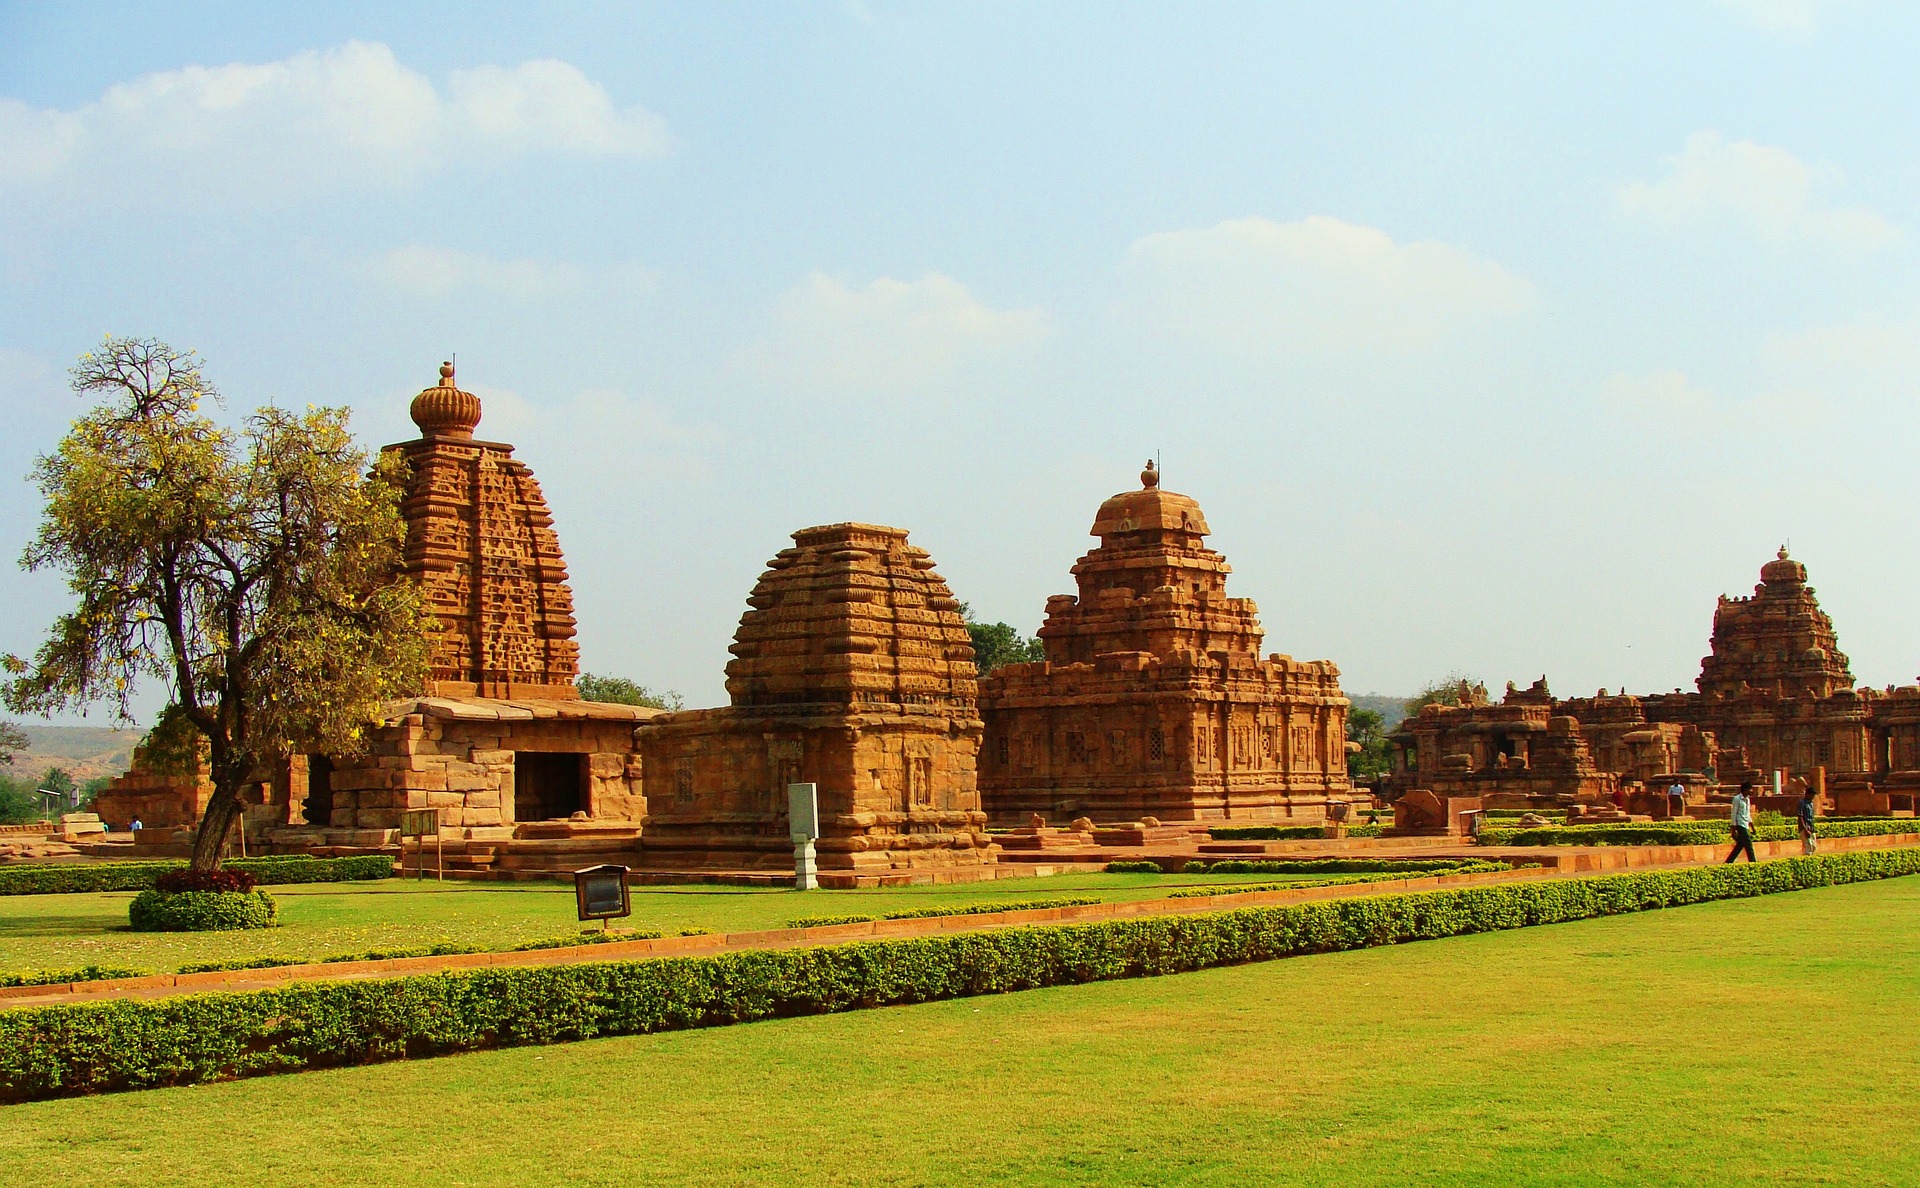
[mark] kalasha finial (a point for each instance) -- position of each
(1150, 477)
(1783, 552)
(444, 410)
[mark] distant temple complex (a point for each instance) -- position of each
(1774, 694)
(1154, 699)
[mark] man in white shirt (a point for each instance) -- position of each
(1743, 823)
(1676, 799)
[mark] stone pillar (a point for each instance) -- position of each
(803, 827)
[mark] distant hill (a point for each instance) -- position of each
(1390, 709)
(87, 752)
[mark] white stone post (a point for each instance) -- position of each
(803, 827)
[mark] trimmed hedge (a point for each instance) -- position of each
(58, 977)
(978, 909)
(202, 911)
(141, 876)
(1133, 868)
(131, 1043)
(1340, 865)
(1285, 832)
(1686, 833)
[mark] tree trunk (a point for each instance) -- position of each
(222, 810)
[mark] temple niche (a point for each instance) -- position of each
(1154, 699)
(852, 670)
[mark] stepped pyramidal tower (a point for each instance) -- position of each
(1154, 699)
(852, 670)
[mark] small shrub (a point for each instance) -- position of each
(202, 911)
(1194, 867)
(175, 881)
(1133, 868)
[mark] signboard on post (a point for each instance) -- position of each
(803, 827)
(601, 893)
(421, 824)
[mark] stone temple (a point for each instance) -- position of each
(1775, 693)
(851, 670)
(1154, 699)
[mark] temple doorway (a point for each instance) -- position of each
(318, 808)
(548, 786)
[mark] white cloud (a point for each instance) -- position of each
(1783, 16)
(419, 270)
(1665, 408)
(328, 118)
(890, 334)
(1761, 187)
(1872, 346)
(598, 439)
(1318, 285)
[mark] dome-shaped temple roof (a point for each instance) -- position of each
(1783, 569)
(444, 410)
(1149, 509)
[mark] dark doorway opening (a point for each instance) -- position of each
(547, 786)
(319, 805)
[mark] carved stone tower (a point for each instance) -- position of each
(480, 542)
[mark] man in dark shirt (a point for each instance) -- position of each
(1808, 842)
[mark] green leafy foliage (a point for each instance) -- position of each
(1368, 730)
(252, 571)
(1130, 867)
(62, 879)
(995, 644)
(60, 977)
(972, 909)
(202, 911)
(130, 1043)
(621, 691)
(1341, 865)
(1683, 833)
(13, 740)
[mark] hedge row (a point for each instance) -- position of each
(1285, 832)
(58, 977)
(1016, 905)
(140, 876)
(586, 936)
(1474, 866)
(131, 1043)
(1337, 865)
(1685, 833)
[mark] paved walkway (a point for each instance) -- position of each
(1601, 861)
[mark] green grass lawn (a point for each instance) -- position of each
(1763, 1040)
(324, 919)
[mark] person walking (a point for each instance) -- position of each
(1808, 842)
(1743, 823)
(1676, 799)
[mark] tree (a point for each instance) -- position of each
(251, 570)
(1452, 689)
(995, 644)
(622, 691)
(1369, 729)
(59, 779)
(12, 741)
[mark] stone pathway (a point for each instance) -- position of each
(1600, 861)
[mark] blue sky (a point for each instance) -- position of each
(1496, 338)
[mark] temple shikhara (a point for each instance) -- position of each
(852, 669)
(1154, 700)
